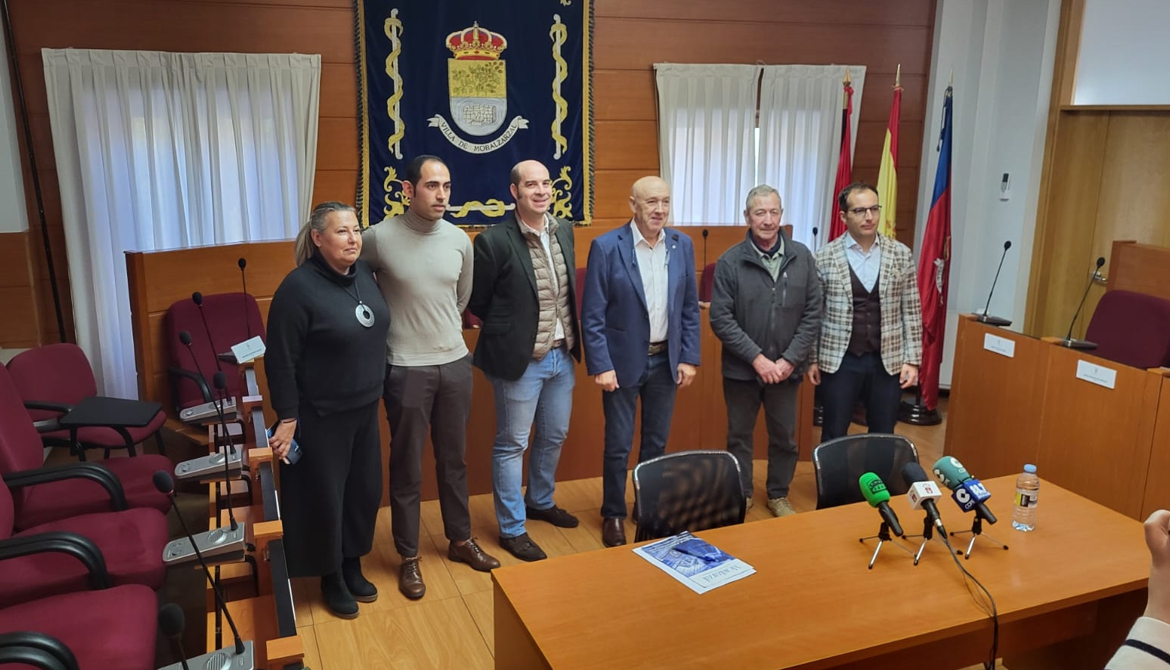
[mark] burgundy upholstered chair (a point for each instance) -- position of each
(22, 457)
(1132, 329)
(231, 318)
(707, 283)
(53, 379)
(128, 545)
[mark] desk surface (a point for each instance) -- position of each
(813, 603)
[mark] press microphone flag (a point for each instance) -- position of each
(967, 492)
(878, 496)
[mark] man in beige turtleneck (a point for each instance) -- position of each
(423, 265)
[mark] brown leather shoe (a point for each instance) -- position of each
(410, 580)
(613, 532)
(470, 553)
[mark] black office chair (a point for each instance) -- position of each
(840, 463)
(35, 649)
(687, 490)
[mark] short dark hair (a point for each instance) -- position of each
(514, 175)
(414, 168)
(843, 197)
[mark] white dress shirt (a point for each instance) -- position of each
(552, 265)
(652, 265)
(865, 264)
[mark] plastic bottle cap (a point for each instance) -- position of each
(1030, 469)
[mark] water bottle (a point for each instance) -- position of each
(1027, 495)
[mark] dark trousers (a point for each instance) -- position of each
(656, 389)
(433, 399)
(743, 400)
(329, 499)
(861, 377)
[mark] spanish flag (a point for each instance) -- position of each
(887, 185)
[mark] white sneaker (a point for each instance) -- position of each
(780, 507)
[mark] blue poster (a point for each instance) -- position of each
(483, 85)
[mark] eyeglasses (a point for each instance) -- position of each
(860, 211)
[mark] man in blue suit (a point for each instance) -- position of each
(640, 325)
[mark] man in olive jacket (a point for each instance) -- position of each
(766, 309)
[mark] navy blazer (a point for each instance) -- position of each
(615, 322)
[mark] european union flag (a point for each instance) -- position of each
(483, 85)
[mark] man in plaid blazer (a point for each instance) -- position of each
(871, 334)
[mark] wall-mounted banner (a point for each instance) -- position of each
(482, 84)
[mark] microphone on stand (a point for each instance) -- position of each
(243, 263)
(814, 238)
(922, 494)
(967, 492)
(197, 298)
(705, 234)
(221, 386)
(172, 622)
(1068, 340)
(241, 655)
(874, 490)
(985, 317)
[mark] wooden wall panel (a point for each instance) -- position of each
(1067, 253)
(1134, 201)
(19, 327)
(630, 35)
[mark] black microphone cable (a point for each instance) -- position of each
(988, 607)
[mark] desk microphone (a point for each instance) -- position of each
(877, 495)
(221, 385)
(967, 492)
(985, 317)
(1068, 340)
(243, 263)
(705, 234)
(814, 238)
(923, 493)
(198, 468)
(172, 622)
(197, 298)
(241, 656)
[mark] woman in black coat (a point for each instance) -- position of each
(325, 362)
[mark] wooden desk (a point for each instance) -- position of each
(813, 603)
(993, 420)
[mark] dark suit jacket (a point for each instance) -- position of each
(615, 323)
(503, 296)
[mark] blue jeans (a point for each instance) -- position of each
(544, 395)
(657, 389)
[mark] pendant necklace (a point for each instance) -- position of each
(364, 314)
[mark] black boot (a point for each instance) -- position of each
(337, 597)
(359, 587)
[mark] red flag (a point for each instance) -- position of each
(934, 266)
(845, 166)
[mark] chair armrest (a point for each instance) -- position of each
(198, 379)
(47, 425)
(36, 649)
(91, 471)
(48, 406)
(78, 546)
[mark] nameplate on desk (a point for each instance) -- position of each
(1000, 345)
(249, 350)
(1096, 374)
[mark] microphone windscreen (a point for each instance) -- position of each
(185, 338)
(874, 489)
(1007, 245)
(219, 380)
(706, 233)
(950, 472)
(243, 262)
(197, 298)
(171, 620)
(164, 482)
(1100, 262)
(912, 473)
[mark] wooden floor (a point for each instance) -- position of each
(451, 627)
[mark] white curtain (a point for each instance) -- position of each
(706, 128)
(163, 150)
(800, 139)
